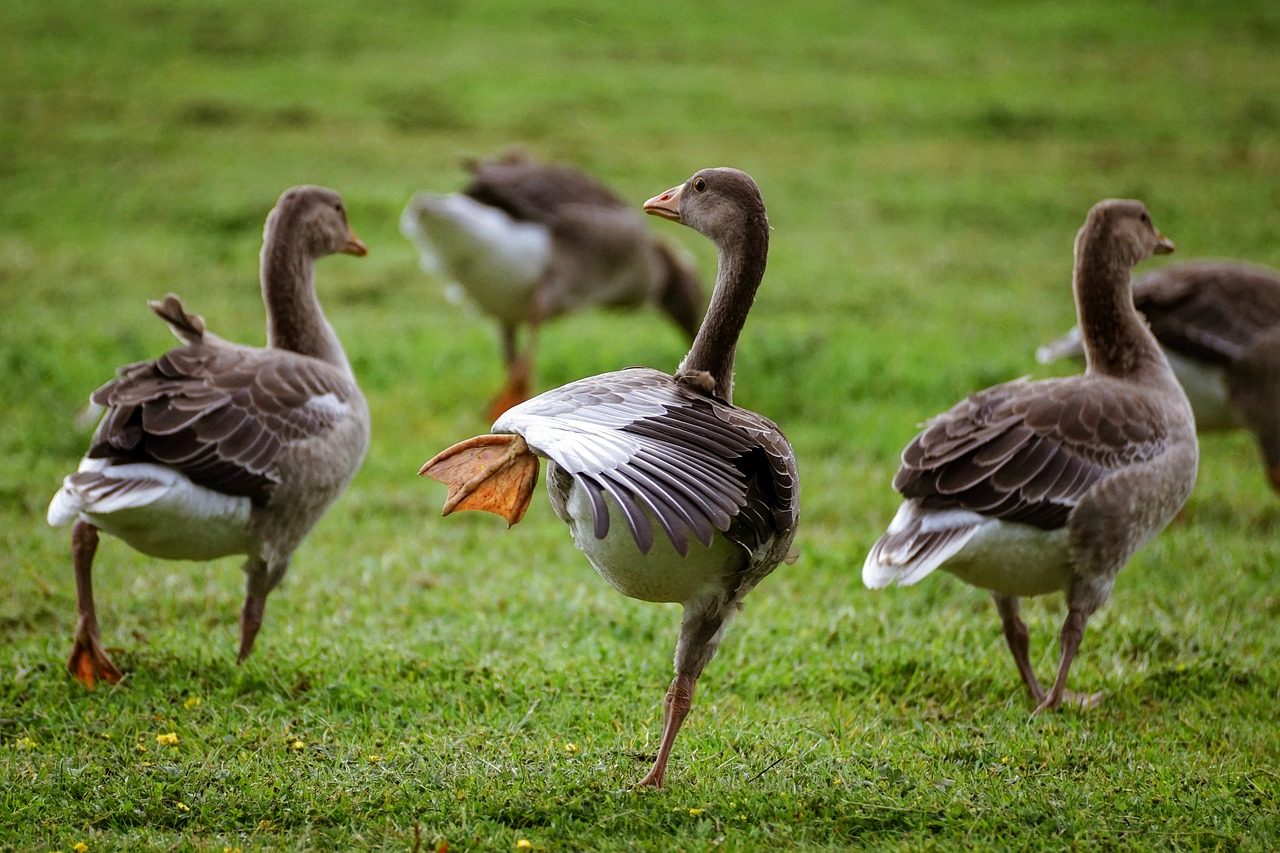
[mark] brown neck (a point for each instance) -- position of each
(1117, 341)
(739, 272)
(295, 321)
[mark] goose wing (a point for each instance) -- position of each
(221, 414)
(1211, 311)
(1028, 451)
(661, 450)
(535, 192)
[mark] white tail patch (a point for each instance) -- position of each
(155, 509)
(918, 541)
(1067, 346)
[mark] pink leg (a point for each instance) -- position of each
(1072, 634)
(89, 660)
(677, 703)
(1015, 634)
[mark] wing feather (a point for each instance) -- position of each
(1028, 451)
(219, 413)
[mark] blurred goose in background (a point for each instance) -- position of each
(1028, 488)
(1219, 325)
(673, 493)
(527, 242)
(216, 448)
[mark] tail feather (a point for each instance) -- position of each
(917, 542)
(188, 328)
(1067, 346)
(92, 491)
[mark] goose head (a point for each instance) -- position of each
(719, 203)
(315, 220)
(1126, 229)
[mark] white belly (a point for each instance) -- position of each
(660, 575)
(1014, 559)
(1206, 389)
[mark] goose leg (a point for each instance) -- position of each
(1072, 634)
(700, 632)
(88, 661)
(257, 585)
(676, 707)
(518, 367)
(1015, 634)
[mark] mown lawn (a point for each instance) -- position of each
(422, 681)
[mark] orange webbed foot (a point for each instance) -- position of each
(89, 662)
(493, 473)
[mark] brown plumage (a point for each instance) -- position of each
(673, 493)
(530, 241)
(215, 448)
(1031, 487)
(1219, 324)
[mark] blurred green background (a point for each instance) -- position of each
(925, 166)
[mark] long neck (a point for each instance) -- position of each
(740, 269)
(295, 321)
(1117, 341)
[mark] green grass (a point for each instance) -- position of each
(925, 164)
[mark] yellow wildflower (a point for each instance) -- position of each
(24, 742)
(167, 739)
(192, 702)
(524, 844)
(375, 758)
(183, 807)
(297, 744)
(696, 812)
(571, 747)
(80, 847)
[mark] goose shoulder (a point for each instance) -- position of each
(696, 464)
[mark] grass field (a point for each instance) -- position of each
(427, 681)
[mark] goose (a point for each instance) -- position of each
(673, 493)
(528, 242)
(215, 448)
(1031, 487)
(1219, 325)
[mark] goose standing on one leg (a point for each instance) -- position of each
(216, 448)
(639, 449)
(529, 241)
(1219, 325)
(1033, 487)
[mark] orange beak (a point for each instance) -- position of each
(355, 246)
(1164, 245)
(666, 205)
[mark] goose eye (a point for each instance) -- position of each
(1146, 220)
(699, 185)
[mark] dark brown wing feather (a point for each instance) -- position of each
(1211, 311)
(535, 192)
(1027, 451)
(218, 413)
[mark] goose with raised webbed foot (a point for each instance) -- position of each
(673, 493)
